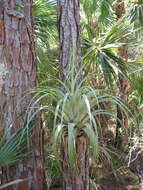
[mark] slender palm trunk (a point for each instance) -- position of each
(17, 76)
(70, 54)
(123, 86)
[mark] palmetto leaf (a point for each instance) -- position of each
(90, 6)
(101, 9)
(136, 13)
(102, 53)
(12, 149)
(106, 12)
(45, 19)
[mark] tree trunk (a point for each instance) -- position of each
(69, 32)
(72, 179)
(69, 21)
(123, 87)
(17, 75)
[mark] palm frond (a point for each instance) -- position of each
(136, 13)
(102, 53)
(12, 149)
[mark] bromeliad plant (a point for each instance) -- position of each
(76, 109)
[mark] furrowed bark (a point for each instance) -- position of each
(72, 179)
(17, 76)
(70, 50)
(69, 34)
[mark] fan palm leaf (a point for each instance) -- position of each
(12, 149)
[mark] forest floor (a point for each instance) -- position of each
(126, 181)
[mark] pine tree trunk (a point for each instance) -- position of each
(123, 87)
(69, 31)
(70, 51)
(17, 76)
(72, 179)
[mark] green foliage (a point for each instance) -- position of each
(45, 20)
(101, 12)
(76, 110)
(71, 109)
(137, 84)
(102, 52)
(136, 13)
(12, 149)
